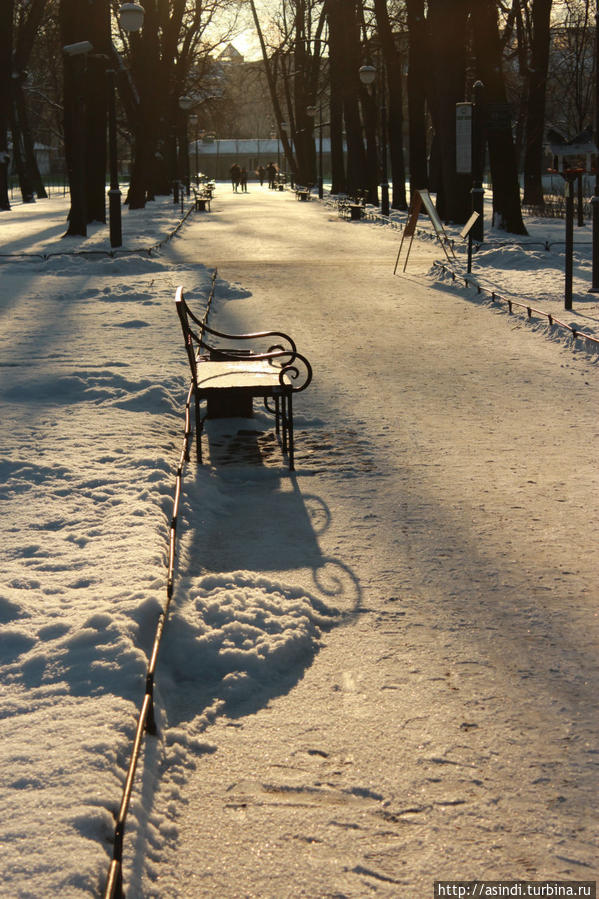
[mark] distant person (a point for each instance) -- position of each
(271, 171)
(261, 171)
(243, 180)
(235, 176)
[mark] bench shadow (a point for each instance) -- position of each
(255, 593)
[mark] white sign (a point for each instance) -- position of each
(463, 138)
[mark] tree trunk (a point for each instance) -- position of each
(304, 140)
(535, 119)
(417, 74)
(6, 37)
(31, 166)
(95, 139)
(448, 20)
(336, 74)
(19, 161)
(73, 28)
(507, 213)
(369, 102)
(152, 118)
(273, 93)
(29, 22)
(351, 61)
(392, 99)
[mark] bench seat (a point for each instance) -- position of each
(245, 375)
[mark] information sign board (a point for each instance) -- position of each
(463, 138)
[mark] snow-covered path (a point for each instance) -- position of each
(378, 671)
(446, 500)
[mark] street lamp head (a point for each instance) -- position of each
(367, 75)
(131, 16)
(186, 103)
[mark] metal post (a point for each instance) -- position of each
(320, 179)
(579, 202)
(478, 157)
(114, 194)
(185, 160)
(595, 199)
(384, 177)
(569, 188)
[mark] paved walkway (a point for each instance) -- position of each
(449, 453)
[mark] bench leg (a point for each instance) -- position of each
(290, 429)
(284, 422)
(198, 431)
(277, 416)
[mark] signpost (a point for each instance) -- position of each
(463, 138)
(423, 198)
(571, 160)
(466, 232)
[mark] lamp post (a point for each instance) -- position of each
(193, 119)
(312, 113)
(478, 160)
(185, 104)
(368, 76)
(131, 16)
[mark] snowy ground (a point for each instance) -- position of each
(379, 671)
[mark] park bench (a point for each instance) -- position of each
(302, 193)
(202, 198)
(226, 377)
(352, 206)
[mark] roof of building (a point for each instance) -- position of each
(244, 146)
(230, 54)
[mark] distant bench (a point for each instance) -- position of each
(302, 193)
(228, 377)
(202, 198)
(352, 206)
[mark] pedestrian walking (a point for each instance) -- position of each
(243, 180)
(235, 176)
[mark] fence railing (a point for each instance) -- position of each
(146, 721)
(530, 310)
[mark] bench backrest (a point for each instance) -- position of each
(283, 354)
(182, 312)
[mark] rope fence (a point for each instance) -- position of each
(146, 721)
(531, 311)
(112, 254)
(495, 297)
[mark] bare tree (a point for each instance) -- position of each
(168, 60)
(417, 78)
(572, 66)
(507, 213)
(537, 90)
(393, 88)
(447, 28)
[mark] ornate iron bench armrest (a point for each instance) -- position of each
(284, 357)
